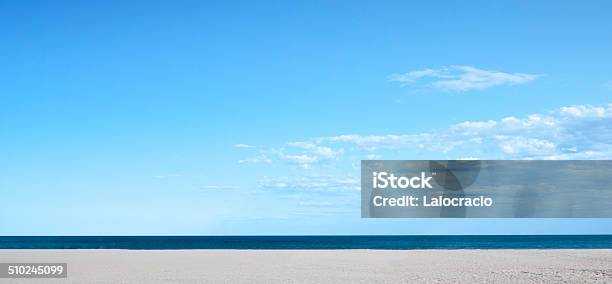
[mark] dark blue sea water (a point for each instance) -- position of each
(311, 242)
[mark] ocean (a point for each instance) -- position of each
(309, 242)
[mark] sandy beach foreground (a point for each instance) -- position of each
(317, 266)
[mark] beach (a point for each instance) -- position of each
(322, 266)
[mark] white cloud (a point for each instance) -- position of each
(374, 157)
(301, 159)
(571, 132)
(303, 145)
(314, 155)
(244, 146)
(312, 183)
(584, 111)
(579, 131)
(328, 153)
(303, 154)
(219, 187)
(468, 158)
(413, 76)
(462, 78)
(371, 142)
(256, 160)
(526, 146)
(475, 125)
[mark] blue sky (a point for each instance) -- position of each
(201, 117)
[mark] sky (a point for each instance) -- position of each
(252, 117)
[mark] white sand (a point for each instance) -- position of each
(328, 266)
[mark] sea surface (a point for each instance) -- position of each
(310, 242)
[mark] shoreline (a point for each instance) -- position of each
(327, 266)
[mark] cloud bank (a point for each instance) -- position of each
(572, 132)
